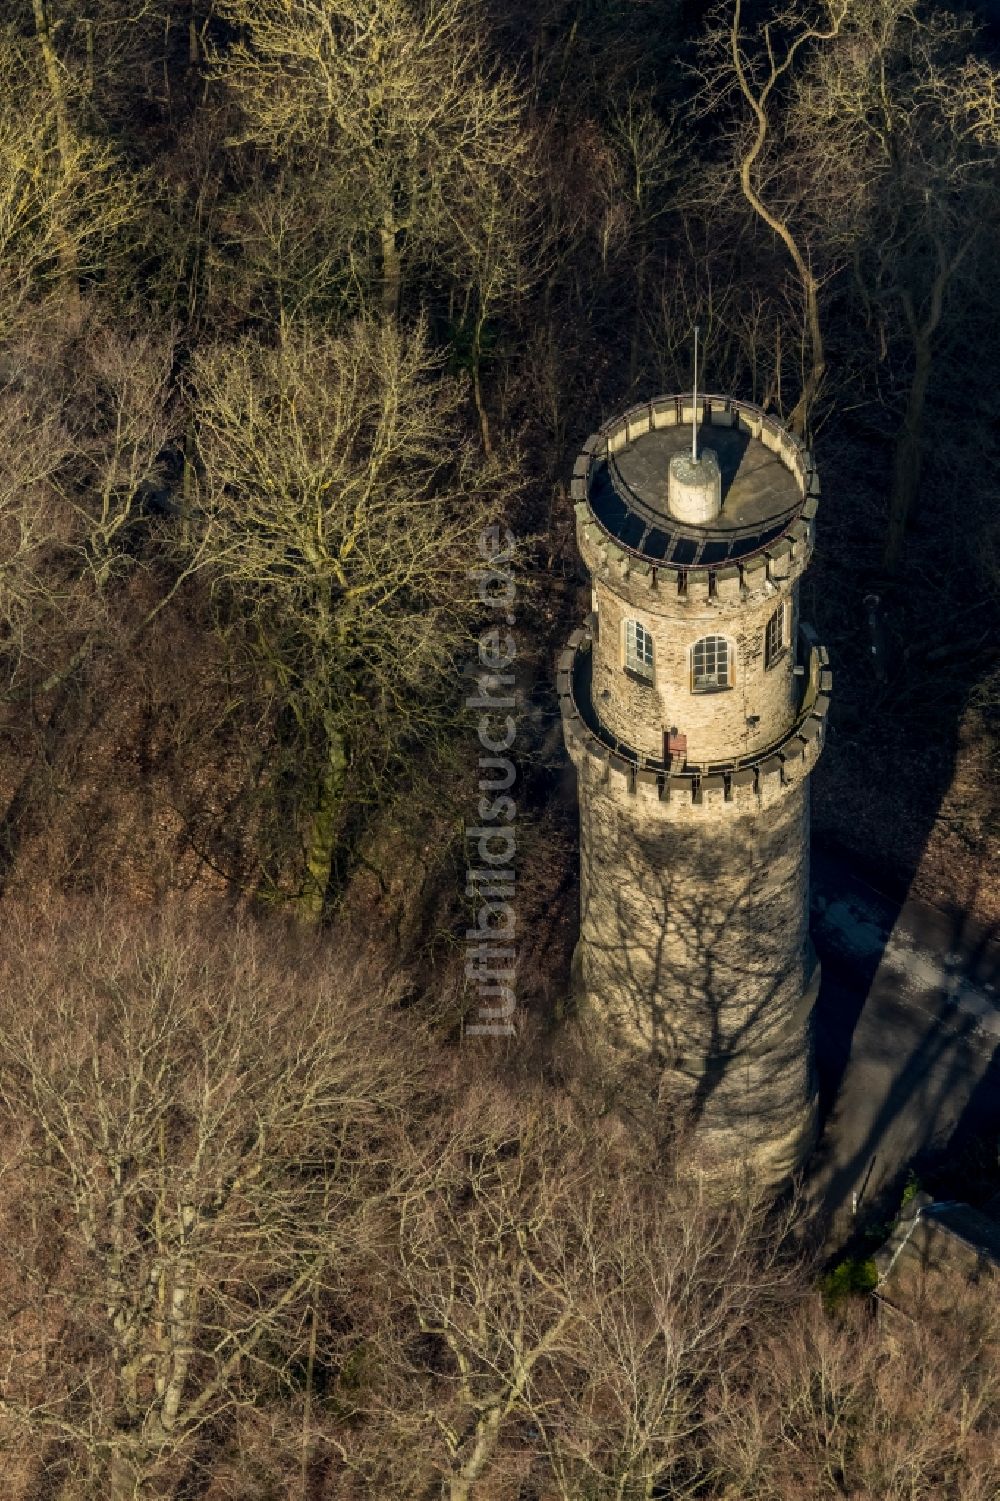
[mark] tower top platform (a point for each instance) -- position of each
(767, 481)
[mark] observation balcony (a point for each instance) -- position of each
(796, 750)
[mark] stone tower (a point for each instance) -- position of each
(694, 707)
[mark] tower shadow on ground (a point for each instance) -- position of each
(907, 1067)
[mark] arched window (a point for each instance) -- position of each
(774, 637)
(710, 664)
(638, 650)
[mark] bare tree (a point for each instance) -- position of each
(483, 1292)
(907, 171)
(197, 1133)
(37, 539)
(648, 147)
(100, 60)
(825, 1406)
(120, 406)
(564, 1311)
(396, 100)
(65, 198)
(88, 410)
(669, 1284)
(342, 509)
(868, 143)
(754, 67)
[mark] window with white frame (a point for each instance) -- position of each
(638, 649)
(774, 637)
(710, 664)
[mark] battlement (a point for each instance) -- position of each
(764, 533)
(745, 784)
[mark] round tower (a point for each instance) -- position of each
(694, 707)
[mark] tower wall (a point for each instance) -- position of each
(715, 723)
(694, 951)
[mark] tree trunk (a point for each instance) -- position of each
(67, 251)
(909, 439)
(639, 294)
(477, 391)
(189, 480)
(799, 419)
(907, 456)
(322, 838)
(308, 1398)
(392, 273)
(757, 97)
(487, 1429)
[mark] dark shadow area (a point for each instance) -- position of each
(973, 1151)
(729, 444)
(904, 809)
(851, 922)
(72, 714)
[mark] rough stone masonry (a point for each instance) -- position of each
(694, 708)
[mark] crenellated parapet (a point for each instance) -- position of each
(643, 554)
(746, 785)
